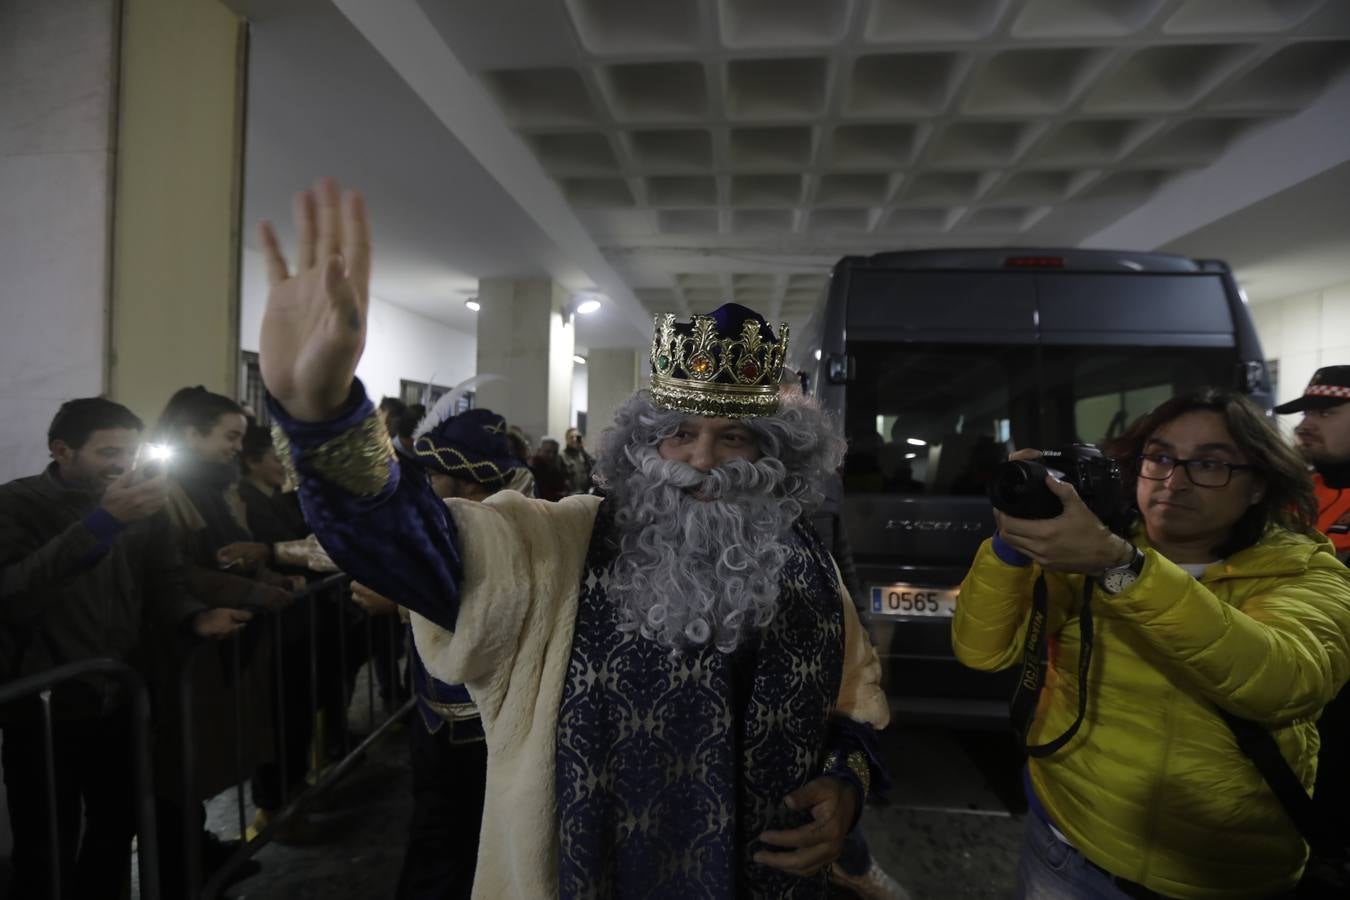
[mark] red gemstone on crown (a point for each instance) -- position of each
(749, 370)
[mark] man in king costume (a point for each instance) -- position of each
(678, 698)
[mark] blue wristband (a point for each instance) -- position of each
(104, 525)
(1008, 553)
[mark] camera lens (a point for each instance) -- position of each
(1018, 489)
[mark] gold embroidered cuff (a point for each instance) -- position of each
(282, 445)
(856, 762)
(356, 460)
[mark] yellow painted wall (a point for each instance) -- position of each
(176, 208)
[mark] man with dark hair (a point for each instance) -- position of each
(272, 513)
(405, 425)
(86, 570)
(1324, 438)
(1220, 619)
(273, 516)
(677, 696)
(550, 477)
(576, 462)
(390, 411)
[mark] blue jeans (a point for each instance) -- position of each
(1050, 869)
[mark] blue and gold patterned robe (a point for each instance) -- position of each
(616, 768)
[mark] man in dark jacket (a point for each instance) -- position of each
(550, 478)
(577, 463)
(273, 515)
(86, 570)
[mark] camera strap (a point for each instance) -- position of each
(1035, 661)
(1258, 745)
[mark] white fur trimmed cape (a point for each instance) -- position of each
(523, 561)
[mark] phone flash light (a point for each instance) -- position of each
(158, 452)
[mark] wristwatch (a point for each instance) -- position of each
(1118, 578)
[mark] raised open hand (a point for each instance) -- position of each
(314, 328)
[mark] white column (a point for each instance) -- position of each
(56, 142)
(612, 378)
(521, 335)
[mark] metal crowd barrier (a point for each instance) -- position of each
(330, 595)
(41, 685)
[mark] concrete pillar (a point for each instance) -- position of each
(521, 335)
(176, 217)
(58, 64)
(119, 227)
(612, 377)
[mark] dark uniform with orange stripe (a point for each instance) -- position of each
(1325, 440)
(1333, 513)
(1322, 437)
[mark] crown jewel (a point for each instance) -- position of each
(725, 364)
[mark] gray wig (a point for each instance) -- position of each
(689, 571)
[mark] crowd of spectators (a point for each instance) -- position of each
(152, 547)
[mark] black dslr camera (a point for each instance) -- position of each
(1018, 487)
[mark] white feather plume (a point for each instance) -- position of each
(445, 407)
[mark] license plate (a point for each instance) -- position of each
(904, 601)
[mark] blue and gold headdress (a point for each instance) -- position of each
(471, 446)
(727, 363)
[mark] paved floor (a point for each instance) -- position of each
(949, 828)
(946, 831)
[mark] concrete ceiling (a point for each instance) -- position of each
(679, 153)
(1297, 240)
(322, 101)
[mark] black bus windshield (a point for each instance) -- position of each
(936, 419)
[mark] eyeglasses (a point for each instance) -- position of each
(1202, 472)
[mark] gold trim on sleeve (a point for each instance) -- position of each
(282, 445)
(356, 460)
(857, 763)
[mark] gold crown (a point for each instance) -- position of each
(697, 369)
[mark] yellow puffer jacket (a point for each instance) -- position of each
(1153, 787)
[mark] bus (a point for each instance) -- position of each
(939, 363)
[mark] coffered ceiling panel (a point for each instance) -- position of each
(754, 141)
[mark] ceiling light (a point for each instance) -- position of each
(911, 456)
(916, 442)
(581, 304)
(578, 359)
(473, 304)
(817, 356)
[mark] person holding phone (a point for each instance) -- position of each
(86, 570)
(227, 567)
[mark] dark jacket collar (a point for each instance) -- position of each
(52, 484)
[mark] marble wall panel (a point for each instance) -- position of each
(56, 95)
